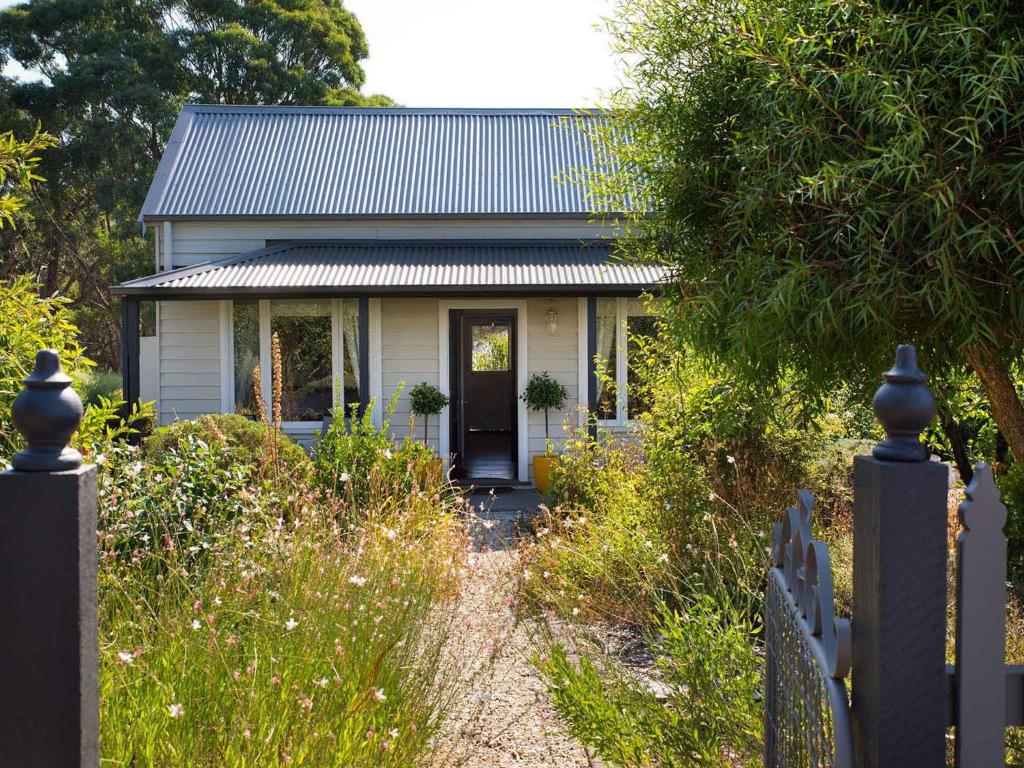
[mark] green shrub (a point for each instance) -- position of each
(710, 672)
(174, 508)
(252, 442)
(29, 323)
(365, 468)
(1011, 485)
(94, 383)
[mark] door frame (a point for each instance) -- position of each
(457, 327)
(444, 358)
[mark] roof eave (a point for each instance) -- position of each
(398, 291)
(155, 218)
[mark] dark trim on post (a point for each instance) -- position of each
(364, 354)
(591, 365)
(130, 353)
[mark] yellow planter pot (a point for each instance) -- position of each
(542, 468)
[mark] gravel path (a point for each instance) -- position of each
(504, 717)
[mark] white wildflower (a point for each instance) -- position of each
(125, 657)
(730, 459)
(357, 580)
(291, 624)
(378, 694)
(196, 624)
(175, 710)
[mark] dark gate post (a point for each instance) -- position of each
(899, 583)
(49, 699)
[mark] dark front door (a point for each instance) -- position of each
(483, 368)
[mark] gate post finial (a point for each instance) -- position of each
(47, 413)
(904, 406)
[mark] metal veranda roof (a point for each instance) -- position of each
(331, 162)
(405, 268)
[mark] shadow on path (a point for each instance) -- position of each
(502, 516)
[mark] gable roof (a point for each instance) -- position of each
(334, 162)
(408, 268)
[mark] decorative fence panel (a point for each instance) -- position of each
(808, 652)
(904, 695)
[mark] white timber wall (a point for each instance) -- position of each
(409, 355)
(190, 364)
(194, 242)
(557, 354)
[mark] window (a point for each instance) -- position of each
(246, 349)
(319, 347)
(304, 332)
(490, 348)
(607, 358)
(640, 325)
(350, 354)
(622, 324)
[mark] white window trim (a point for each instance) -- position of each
(376, 364)
(227, 354)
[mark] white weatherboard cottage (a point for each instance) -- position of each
(382, 247)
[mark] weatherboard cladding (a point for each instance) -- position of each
(408, 265)
(326, 162)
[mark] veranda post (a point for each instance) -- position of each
(49, 697)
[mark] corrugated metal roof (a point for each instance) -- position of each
(410, 267)
(333, 162)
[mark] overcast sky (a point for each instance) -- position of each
(485, 53)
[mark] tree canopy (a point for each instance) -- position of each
(113, 75)
(827, 179)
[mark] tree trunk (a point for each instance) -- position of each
(1003, 398)
(957, 444)
(426, 420)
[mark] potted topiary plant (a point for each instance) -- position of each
(427, 401)
(544, 392)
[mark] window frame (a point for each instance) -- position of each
(265, 335)
(621, 366)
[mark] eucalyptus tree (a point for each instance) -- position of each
(825, 179)
(107, 78)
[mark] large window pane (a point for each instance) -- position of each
(247, 356)
(607, 356)
(638, 328)
(303, 329)
(351, 352)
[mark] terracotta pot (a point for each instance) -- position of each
(542, 468)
